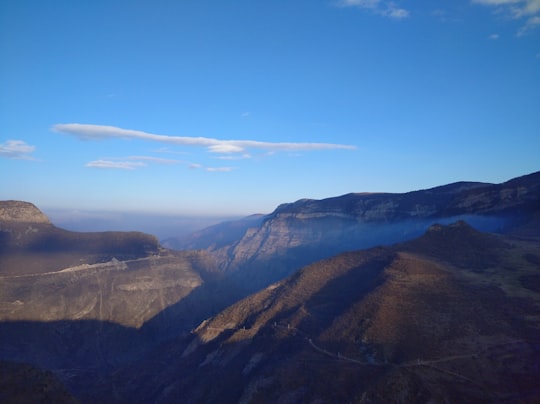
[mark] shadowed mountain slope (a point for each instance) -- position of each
(298, 233)
(21, 383)
(30, 244)
(411, 323)
(74, 302)
(49, 273)
(451, 315)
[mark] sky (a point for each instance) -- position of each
(216, 108)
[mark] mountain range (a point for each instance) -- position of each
(430, 295)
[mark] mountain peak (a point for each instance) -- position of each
(460, 244)
(23, 212)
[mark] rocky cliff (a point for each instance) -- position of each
(301, 232)
(21, 212)
(50, 274)
(76, 303)
(448, 317)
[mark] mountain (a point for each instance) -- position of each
(215, 237)
(298, 233)
(274, 308)
(51, 274)
(71, 300)
(451, 316)
(21, 383)
(30, 243)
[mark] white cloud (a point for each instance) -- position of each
(157, 160)
(100, 132)
(124, 165)
(494, 36)
(219, 169)
(16, 149)
(517, 9)
(385, 8)
(225, 148)
(244, 156)
(531, 24)
(132, 162)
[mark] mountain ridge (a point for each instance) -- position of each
(392, 323)
(430, 318)
(297, 233)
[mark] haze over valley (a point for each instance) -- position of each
(269, 306)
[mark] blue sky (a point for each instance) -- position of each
(218, 108)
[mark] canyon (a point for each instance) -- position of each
(426, 295)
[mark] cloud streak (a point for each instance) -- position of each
(101, 132)
(122, 165)
(384, 8)
(517, 9)
(16, 150)
(133, 162)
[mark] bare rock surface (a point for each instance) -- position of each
(22, 212)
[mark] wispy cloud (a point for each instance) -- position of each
(123, 165)
(100, 132)
(157, 160)
(219, 169)
(16, 149)
(385, 8)
(132, 162)
(494, 36)
(517, 9)
(530, 25)
(244, 156)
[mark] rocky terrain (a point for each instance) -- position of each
(73, 300)
(340, 312)
(21, 212)
(449, 317)
(298, 233)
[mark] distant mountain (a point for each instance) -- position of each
(298, 233)
(449, 313)
(216, 236)
(449, 317)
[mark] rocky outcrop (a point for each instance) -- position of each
(424, 321)
(31, 244)
(298, 233)
(21, 212)
(123, 292)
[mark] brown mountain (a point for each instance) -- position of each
(299, 233)
(109, 313)
(75, 302)
(449, 317)
(48, 273)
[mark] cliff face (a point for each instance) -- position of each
(298, 233)
(21, 212)
(50, 274)
(448, 317)
(124, 292)
(72, 301)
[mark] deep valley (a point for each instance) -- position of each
(426, 296)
